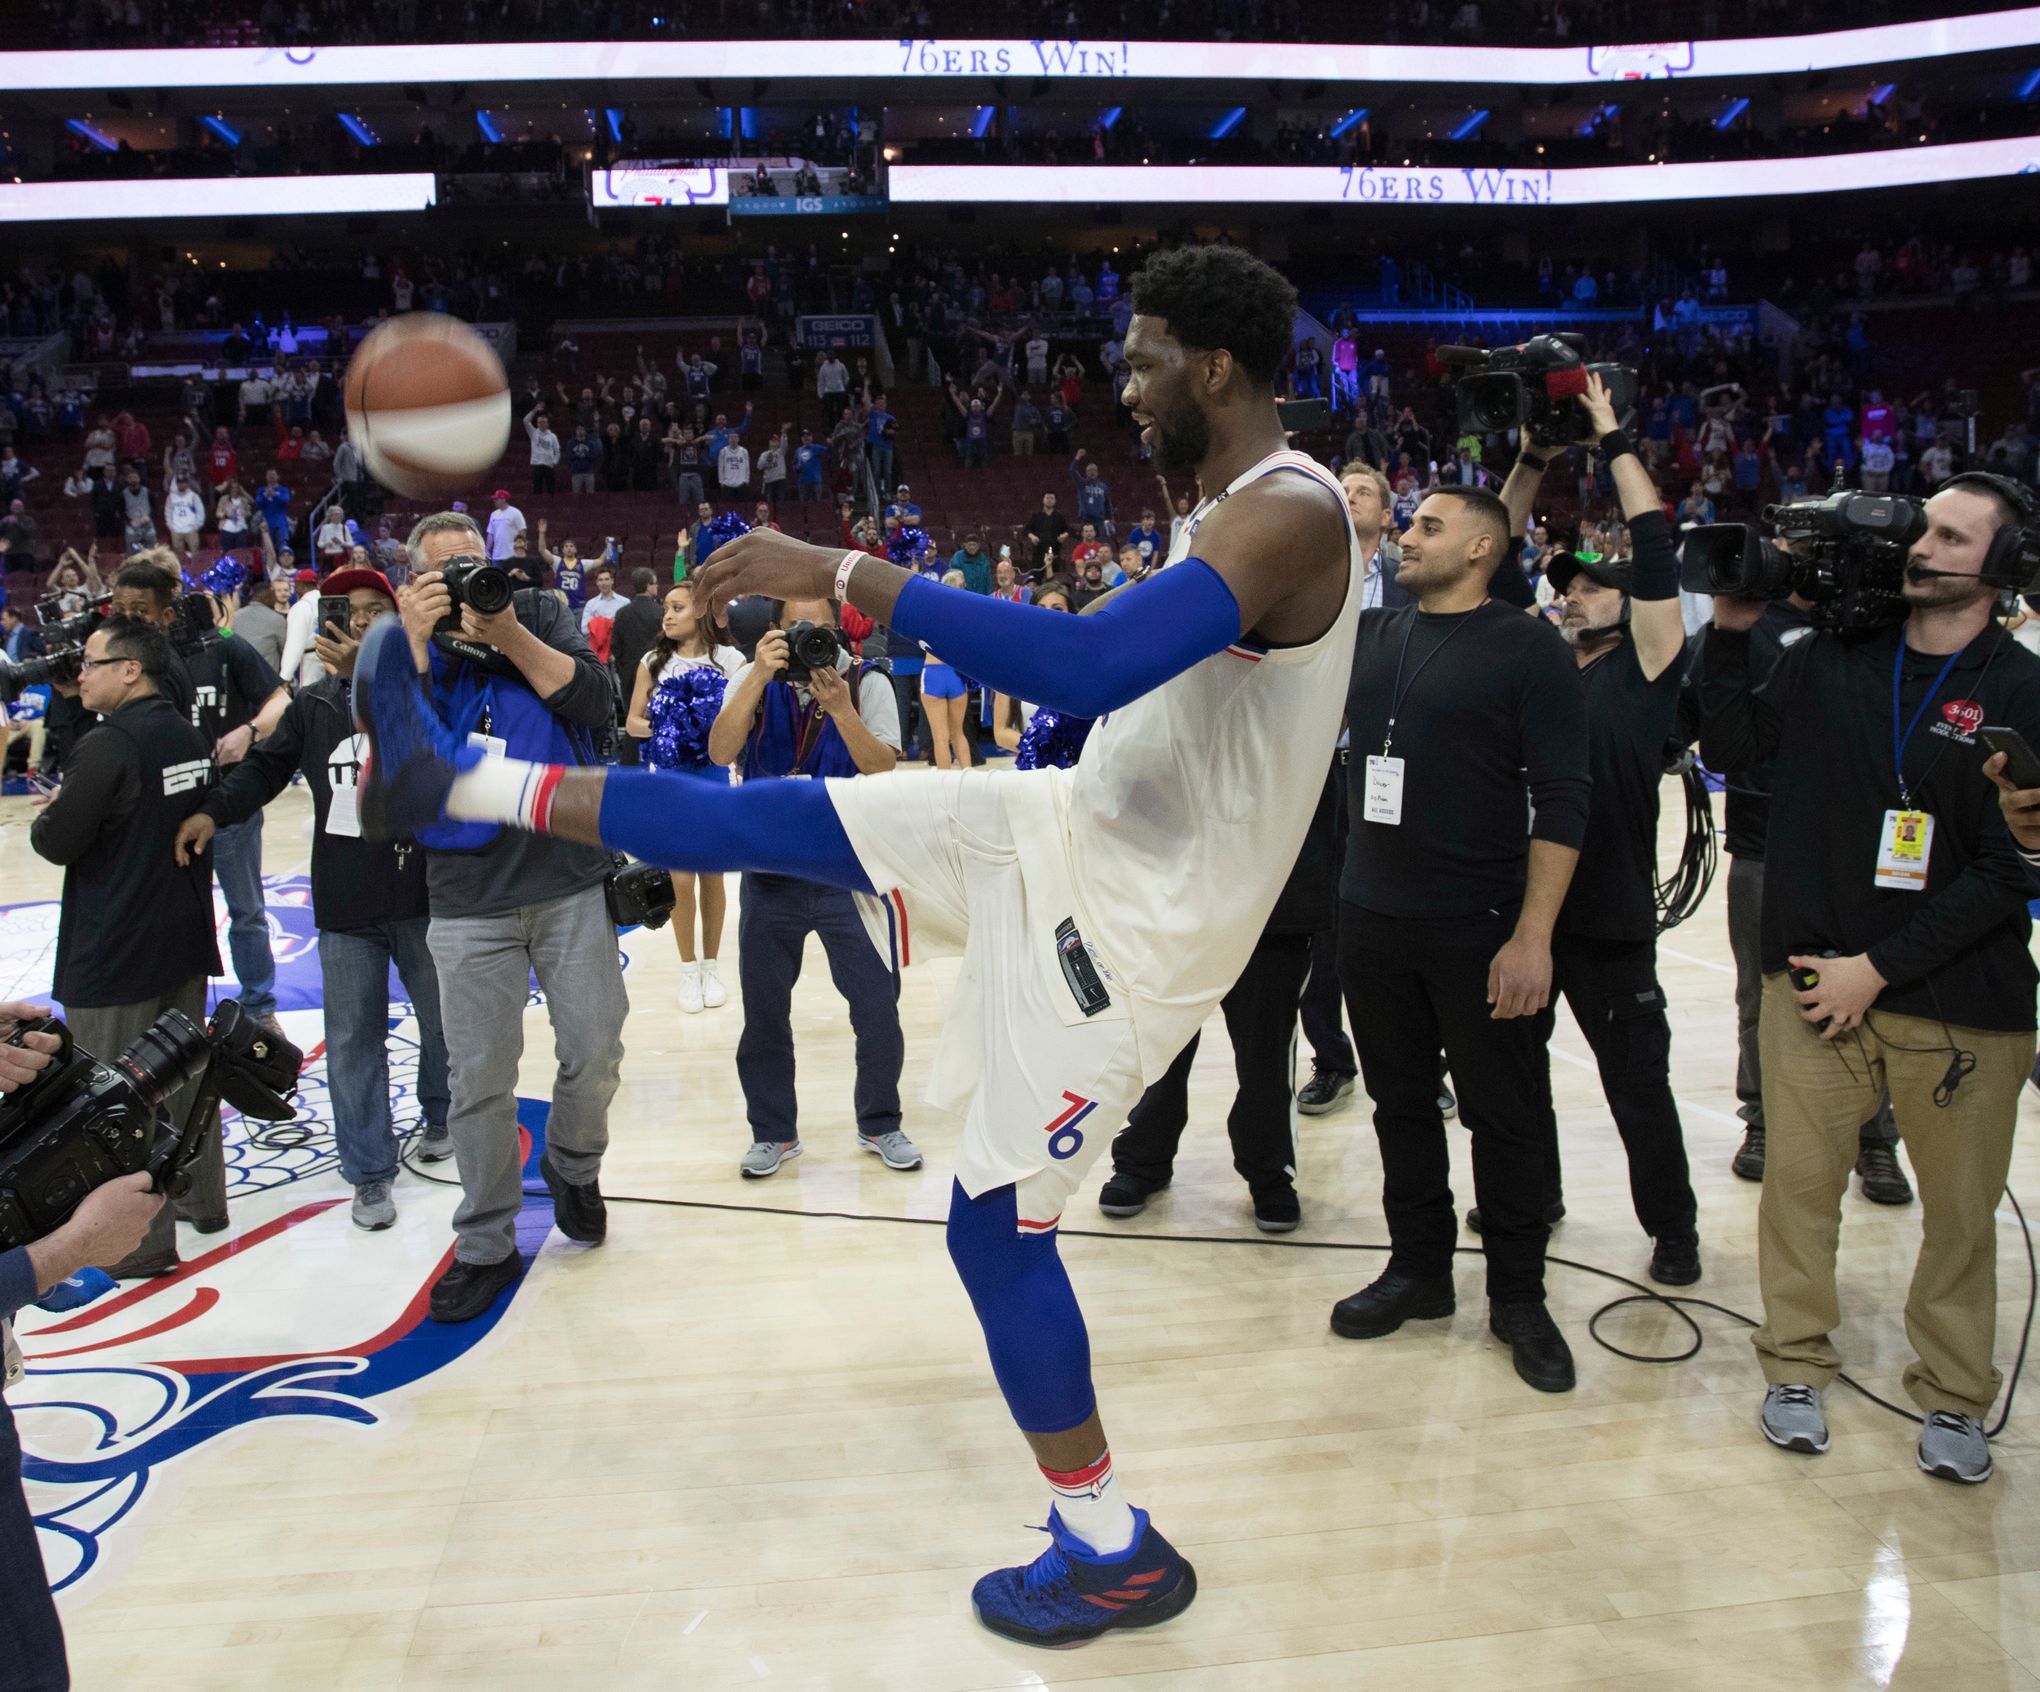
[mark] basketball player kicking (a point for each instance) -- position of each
(1218, 684)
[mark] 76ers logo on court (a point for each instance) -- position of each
(1065, 1138)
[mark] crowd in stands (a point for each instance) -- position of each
(1548, 23)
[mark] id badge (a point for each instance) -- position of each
(1383, 802)
(343, 770)
(343, 816)
(490, 743)
(1904, 849)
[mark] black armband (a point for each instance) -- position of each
(1614, 444)
(1654, 569)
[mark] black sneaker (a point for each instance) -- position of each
(1388, 1303)
(466, 1290)
(1322, 1092)
(1749, 1157)
(1883, 1180)
(577, 1206)
(1276, 1210)
(1675, 1260)
(1554, 1214)
(1541, 1355)
(1127, 1195)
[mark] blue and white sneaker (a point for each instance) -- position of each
(1069, 1594)
(413, 757)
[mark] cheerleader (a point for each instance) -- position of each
(1039, 738)
(946, 700)
(678, 691)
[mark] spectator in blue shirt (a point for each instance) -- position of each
(1749, 472)
(272, 505)
(880, 426)
(1094, 497)
(723, 435)
(1146, 538)
(584, 459)
(904, 506)
(1838, 424)
(810, 459)
(1056, 416)
(975, 564)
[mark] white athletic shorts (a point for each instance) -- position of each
(1039, 1058)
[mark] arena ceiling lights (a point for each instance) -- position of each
(1598, 185)
(216, 196)
(937, 61)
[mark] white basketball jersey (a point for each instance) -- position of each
(1188, 808)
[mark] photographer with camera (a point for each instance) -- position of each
(804, 709)
(107, 1227)
(234, 699)
(1894, 927)
(368, 901)
(1627, 636)
(135, 930)
(507, 671)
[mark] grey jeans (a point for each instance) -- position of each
(104, 1031)
(1745, 941)
(485, 964)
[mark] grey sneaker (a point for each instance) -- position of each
(898, 1151)
(1792, 1419)
(765, 1157)
(435, 1145)
(1953, 1448)
(373, 1207)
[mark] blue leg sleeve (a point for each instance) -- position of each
(1084, 666)
(781, 827)
(1041, 1352)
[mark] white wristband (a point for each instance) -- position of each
(850, 562)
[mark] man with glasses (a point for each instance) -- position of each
(135, 927)
(368, 901)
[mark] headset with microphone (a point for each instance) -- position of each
(2013, 560)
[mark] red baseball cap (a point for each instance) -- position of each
(500, 493)
(346, 581)
(307, 578)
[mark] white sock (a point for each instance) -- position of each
(1089, 1502)
(504, 790)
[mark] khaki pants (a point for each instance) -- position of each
(1814, 1106)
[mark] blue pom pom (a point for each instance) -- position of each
(681, 710)
(724, 526)
(227, 577)
(906, 544)
(1051, 741)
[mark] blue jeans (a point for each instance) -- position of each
(31, 1637)
(776, 916)
(356, 971)
(880, 453)
(237, 862)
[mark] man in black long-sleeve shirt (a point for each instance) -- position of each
(1468, 804)
(1891, 880)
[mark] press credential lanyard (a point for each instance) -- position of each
(1384, 791)
(1907, 842)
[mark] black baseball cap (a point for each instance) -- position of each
(1565, 566)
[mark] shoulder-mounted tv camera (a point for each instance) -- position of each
(1538, 385)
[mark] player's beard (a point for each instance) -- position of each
(1182, 437)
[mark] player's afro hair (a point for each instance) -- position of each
(1215, 298)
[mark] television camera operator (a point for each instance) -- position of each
(107, 1227)
(135, 933)
(1627, 635)
(804, 709)
(1894, 927)
(234, 698)
(368, 900)
(514, 671)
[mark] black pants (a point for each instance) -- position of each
(1324, 1015)
(1414, 987)
(1260, 1017)
(31, 1637)
(1612, 988)
(542, 476)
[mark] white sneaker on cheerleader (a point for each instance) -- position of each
(713, 992)
(690, 988)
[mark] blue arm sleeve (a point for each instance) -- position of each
(17, 1281)
(1082, 666)
(780, 827)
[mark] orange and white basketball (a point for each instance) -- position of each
(428, 405)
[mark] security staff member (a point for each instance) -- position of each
(1746, 806)
(838, 722)
(1895, 894)
(1260, 1020)
(135, 929)
(1464, 714)
(368, 900)
(234, 698)
(1627, 635)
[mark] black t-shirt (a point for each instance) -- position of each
(1613, 893)
(229, 681)
(1492, 731)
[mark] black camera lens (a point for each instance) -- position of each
(472, 581)
(165, 1055)
(811, 647)
(1493, 403)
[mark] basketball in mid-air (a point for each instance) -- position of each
(428, 405)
